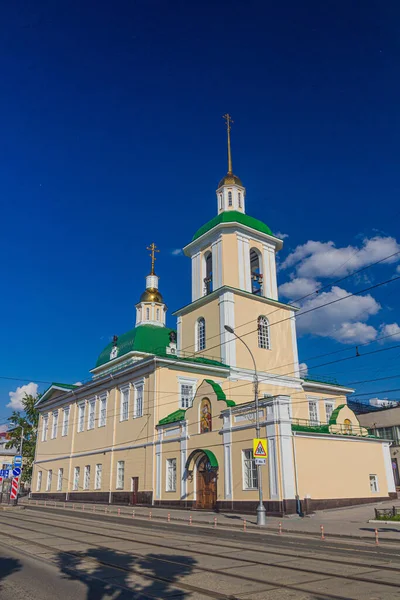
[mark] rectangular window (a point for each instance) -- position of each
(250, 474)
(60, 479)
(81, 417)
(120, 474)
(86, 477)
(45, 427)
(77, 473)
(373, 483)
(171, 474)
(55, 425)
(329, 408)
(39, 481)
(103, 411)
(65, 421)
(97, 479)
(138, 407)
(187, 393)
(313, 412)
(49, 478)
(92, 413)
(124, 411)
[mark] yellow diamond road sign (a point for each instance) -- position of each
(260, 448)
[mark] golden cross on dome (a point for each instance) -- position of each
(229, 121)
(153, 249)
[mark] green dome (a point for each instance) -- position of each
(233, 216)
(145, 338)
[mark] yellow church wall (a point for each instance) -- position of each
(338, 468)
(230, 273)
(210, 313)
(243, 440)
(279, 359)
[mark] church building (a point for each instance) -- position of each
(169, 415)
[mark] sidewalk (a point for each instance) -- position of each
(351, 522)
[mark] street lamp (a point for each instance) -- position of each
(261, 512)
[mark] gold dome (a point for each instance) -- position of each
(151, 295)
(230, 179)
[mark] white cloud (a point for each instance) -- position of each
(281, 236)
(324, 259)
(398, 269)
(342, 321)
(77, 383)
(391, 329)
(299, 287)
(303, 369)
(177, 252)
(19, 394)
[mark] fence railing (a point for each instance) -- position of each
(323, 427)
(393, 511)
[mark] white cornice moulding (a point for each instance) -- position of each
(329, 387)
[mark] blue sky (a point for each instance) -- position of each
(112, 137)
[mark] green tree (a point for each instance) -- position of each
(28, 419)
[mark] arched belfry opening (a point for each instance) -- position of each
(208, 280)
(256, 273)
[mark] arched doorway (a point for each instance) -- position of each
(205, 464)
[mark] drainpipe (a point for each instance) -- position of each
(296, 479)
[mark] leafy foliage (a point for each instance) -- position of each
(28, 420)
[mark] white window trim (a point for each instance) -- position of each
(122, 389)
(45, 429)
(377, 483)
(246, 489)
(120, 485)
(96, 471)
(197, 337)
(102, 397)
(79, 405)
(168, 461)
(59, 483)
(54, 429)
(317, 401)
(329, 403)
(65, 421)
(186, 381)
(89, 403)
(135, 385)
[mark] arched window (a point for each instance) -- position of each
(263, 333)
(158, 314)
(208, 278)
(240, 199)
(201, 335)
(255, 270)
(148, 314)
(220, 201)
(229, 198)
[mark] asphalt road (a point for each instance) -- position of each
(45, 555)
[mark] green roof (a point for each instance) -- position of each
(233, 216)
(145, 338)
(174, 417)
(152, 340)
(220, 392)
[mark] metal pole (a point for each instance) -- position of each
(261, 512)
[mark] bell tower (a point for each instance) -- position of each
(151, 309)
(231, 192)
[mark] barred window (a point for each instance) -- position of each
(65, 421)
(171, 474)
(103, 411)
(138, 405)
(124, 404)
(120, 474)
(240, 199)
(186, 395)
(92, 411)
(201, 334)
(250, 474)
(97, 479)
(86, 478)
(77, 473)
(81, 417)
(55, 425)
(49, 479)
(45, 427)
(313, 412)
(39, 481)
(229, 198)
(263, 333)
(60, 479)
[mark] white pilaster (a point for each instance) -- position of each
(266, 273)
(196, 277)
(216, 251)
(183, 448)
(240, 262)
(227, 439)
(227, 317)
(158, 466)
(179, 333)
(388, 468)
(279, 432)
(274, 284)
(247, 274)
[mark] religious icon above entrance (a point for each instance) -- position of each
(205, 416)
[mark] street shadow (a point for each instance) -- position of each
(380, 529)
(8, 566)
(138, 577)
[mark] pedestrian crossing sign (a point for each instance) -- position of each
(260, 448)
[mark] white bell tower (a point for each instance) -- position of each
(231, 192)
(151, 309)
